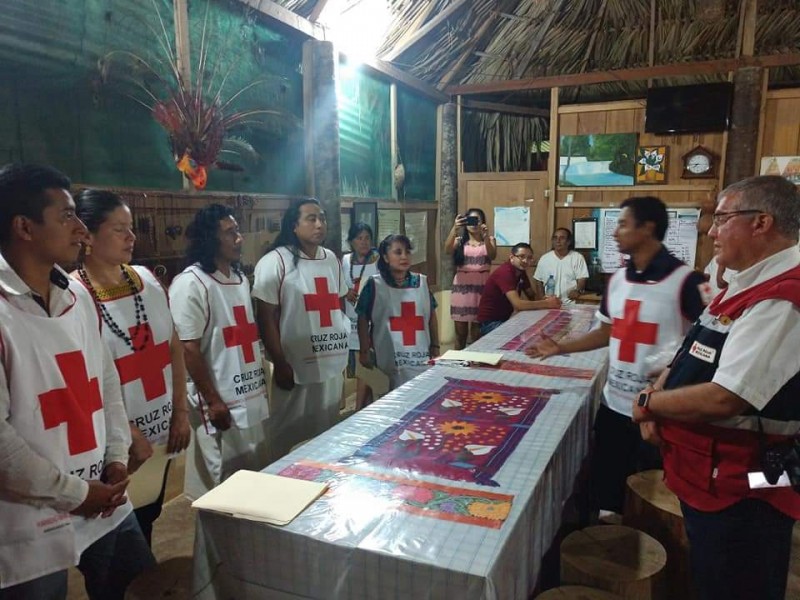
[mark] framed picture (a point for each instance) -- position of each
(600, 159)
(366, 212)
(651, 164)
(584, 233)
(784, 166)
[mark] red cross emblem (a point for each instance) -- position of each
(408, 322)
(243, 334)
(323, 301)
(147, 364)
(74, 404)
(629, 330)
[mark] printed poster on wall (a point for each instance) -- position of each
(388, 223)
(680, 240)
(512, 225)
(417, 232)
(345, 219)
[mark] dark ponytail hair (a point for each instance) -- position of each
(203, 240)
(383, 249)
(94, 206)
(458, 251)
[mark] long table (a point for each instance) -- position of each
(414, 512)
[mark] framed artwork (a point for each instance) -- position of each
(584, 233)
(651, 164)
(366, 212)
(602, 159)
(784, 166)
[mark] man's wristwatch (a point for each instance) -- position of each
(644, 399)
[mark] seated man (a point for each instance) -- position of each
(562, 268)
(503, 292)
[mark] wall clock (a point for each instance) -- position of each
(699, 163)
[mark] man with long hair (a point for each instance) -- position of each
(213, 314)
(300, 290)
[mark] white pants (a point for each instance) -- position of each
(212, 458)
(302, 413)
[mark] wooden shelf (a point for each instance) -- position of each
(679, 187)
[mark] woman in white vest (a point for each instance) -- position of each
(138, 329)
(213, 314)
(300, 292)
(359, 265)
(397, 315)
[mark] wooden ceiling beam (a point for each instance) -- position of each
(294, 21)
(509, 109)
(477, 39)
(707, 67)
(317, 11)
(424, 30)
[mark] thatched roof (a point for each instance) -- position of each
(489, 40)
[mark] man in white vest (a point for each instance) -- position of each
(300, 290)
(64, 434)
(213, 315)
(645, 312)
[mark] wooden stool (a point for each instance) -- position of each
(651, 507)
(615, 558)
(169, 579)
(577, 592)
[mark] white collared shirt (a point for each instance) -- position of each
(762, 351)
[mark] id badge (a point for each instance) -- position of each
(757, 481)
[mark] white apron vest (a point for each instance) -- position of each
(354, 277)
(231, 345)
(400, 334)
(646, 319)
(54, 368)
(145, 375)
(314, 330)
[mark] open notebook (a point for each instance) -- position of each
(261, 497)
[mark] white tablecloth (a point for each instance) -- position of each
(358, 547)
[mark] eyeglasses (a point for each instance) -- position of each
(523, 257)
(720, 218)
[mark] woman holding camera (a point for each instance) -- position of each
(473, 251)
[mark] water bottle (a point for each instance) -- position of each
(550, 286)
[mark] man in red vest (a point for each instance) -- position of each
(730, 398)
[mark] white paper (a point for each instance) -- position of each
(680, 239)
(512, 225)
(485, 358)
(261, 497)
(417, 232)
(345, 232)
(388, 224)
(585, 235)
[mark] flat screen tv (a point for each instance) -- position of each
(689, 108)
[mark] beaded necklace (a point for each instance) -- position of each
(138, 303)
(367, 261)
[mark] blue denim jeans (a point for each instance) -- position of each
(488, 326)
(113, 561)
(739, 553)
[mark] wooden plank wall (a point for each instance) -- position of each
(627, 117)
(780, 130)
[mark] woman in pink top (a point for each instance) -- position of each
(473, 250)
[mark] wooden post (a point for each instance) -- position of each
(448, 196)
(552, 163)
(740, 158)
(322, 135)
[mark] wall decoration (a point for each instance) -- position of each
(602, 159)
(785, 166)
(651, 164)
(699, 163)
